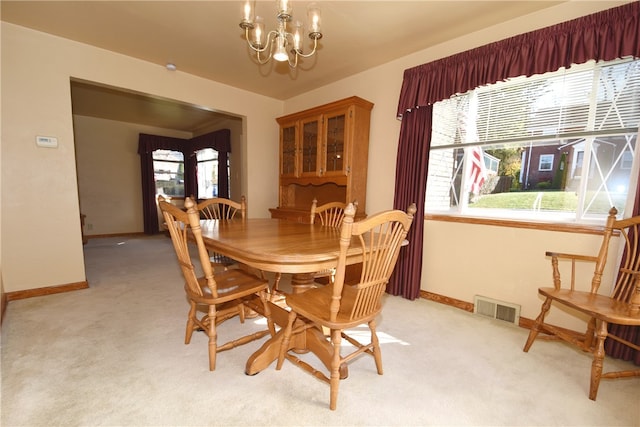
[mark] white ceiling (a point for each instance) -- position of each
(203, 38)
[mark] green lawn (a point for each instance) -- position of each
(549, 200)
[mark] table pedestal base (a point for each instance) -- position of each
(311, 340)
(301, 282)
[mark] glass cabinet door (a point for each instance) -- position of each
(310, 137)
(334, 147)
(288, 163)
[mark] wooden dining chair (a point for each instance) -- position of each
(329, 215)
(621, 307)
(222, 209)
(339, 306)
(225, 294)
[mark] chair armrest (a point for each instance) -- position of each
(557, 281)
(576, 257)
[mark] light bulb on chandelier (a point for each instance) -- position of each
(285, 42)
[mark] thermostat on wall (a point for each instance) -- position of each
(47, 141)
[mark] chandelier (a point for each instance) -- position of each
(285, 42)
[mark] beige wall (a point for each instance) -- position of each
(503, 263)
(40, 205)
(511, 264)
(109, 180)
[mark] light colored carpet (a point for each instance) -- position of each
(114, 355)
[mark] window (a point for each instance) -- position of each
(555, 147)
(577, 168)
(546, 162)
(168, 169)
(627, 160)
(207, 172)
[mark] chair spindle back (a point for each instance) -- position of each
(380, 237)
(181, 224)
(221, 208)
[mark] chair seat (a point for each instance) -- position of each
(231, 284)
(315, 302)
(597, 306)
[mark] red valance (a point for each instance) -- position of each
(219, 140)
(606, 35)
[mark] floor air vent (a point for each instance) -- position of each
(494, 309)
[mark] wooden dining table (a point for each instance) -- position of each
(281, 246)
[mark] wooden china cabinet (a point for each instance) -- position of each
(324, 155)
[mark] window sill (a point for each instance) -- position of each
(547, 226)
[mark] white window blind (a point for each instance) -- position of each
(590, 99)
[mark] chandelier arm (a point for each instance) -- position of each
(270, 37)
(295, 60)
(260, 60)
(315, 45)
